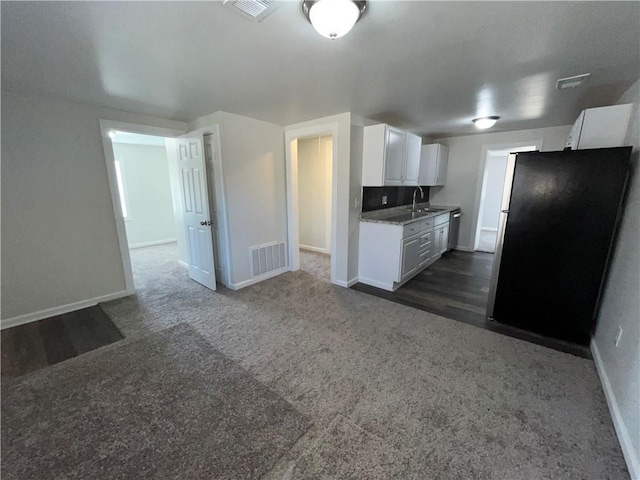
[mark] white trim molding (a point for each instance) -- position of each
(347, 284)
(291, 158)
(630, 456)
(50, 312)
(155, 242)
(105, 127)
(252, 281)
(314, 249)
(478, 203)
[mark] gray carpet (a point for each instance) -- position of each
(430, 397)
(164, 406)
(346, 451)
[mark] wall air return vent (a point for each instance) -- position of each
(267, 258)
(255, 10)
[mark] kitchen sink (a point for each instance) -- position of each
(427, 210)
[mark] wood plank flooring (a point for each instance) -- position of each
(35, 345)
(457, 287)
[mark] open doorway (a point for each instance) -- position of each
(187, 171)
(313, 243)
(495, 169)
(147, 202)
(315, 164)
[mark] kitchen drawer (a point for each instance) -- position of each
(440, 219)
(426, 238)
(411, 229)
(424, 257)
(426, 224)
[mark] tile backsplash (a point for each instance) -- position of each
(396, 196)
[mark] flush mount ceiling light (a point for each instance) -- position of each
(485, 122)
(333, 18)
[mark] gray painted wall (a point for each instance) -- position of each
(254, 176)
(59, 240)
(145, 170)
(314, 197)
(620, 366)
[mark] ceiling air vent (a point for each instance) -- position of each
(571, 82)
(255, 10)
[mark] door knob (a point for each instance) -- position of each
(205, 222)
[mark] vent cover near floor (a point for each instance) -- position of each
(255, 10)
(266, 258)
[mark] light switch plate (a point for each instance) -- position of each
(384, 199)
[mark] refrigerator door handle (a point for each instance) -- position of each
(506, 200)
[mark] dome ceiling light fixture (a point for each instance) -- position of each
(333, 18)
(485, 122)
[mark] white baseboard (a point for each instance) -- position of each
(151, 244)
(183, 264)
(463, 249)
(50, 312)
(347, 284)
(375, 283)
(314, 249)
(630, 456)
(253, 281)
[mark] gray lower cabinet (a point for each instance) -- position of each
(426, 248)
(442, 233)
(410, 254)
(390, 254)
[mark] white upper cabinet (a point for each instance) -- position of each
(433, 165)
(412, 170)
(390, 157)
(600, 127)
(393, 156)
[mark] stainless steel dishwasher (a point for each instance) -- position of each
(454, 227)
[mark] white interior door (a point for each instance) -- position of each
(210, 149)
(195, 204)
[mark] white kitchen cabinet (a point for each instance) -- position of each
(443, 241)
(433, 165)
(394, 156)
(440, 235)
(409, 262)
(390, 157)
(600, 127)
(413, 148)
(390, 254)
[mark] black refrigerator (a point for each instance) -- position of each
(558, 220)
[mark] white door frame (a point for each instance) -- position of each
(221, 201)
(292, 191)
(482, 180)
(105, 127)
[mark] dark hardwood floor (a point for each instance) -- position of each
(35, 345)
(457, 287)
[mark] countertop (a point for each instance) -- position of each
(403, 216)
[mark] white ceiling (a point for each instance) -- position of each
(429, 67)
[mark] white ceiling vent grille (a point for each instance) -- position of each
(572, 82)
(255, 10)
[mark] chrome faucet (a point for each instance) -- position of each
(413, 205)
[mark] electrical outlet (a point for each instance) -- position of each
(356, 202)
(384, 199)
(618, 335)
